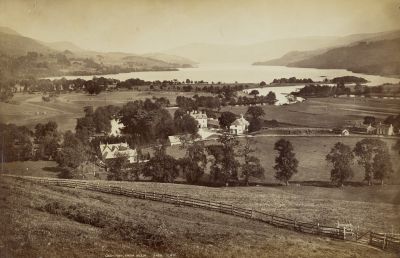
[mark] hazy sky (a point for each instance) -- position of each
(147, 26)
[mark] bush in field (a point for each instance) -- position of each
(286, 162)
(341, 158)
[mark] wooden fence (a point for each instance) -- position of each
(384, 241)
(376, 239)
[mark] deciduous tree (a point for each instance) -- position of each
(341, 157)
(286, 163)
(226, 119)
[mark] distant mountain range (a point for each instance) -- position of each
(24, 56)
(377, 54)
(250, 53)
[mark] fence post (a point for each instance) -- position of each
(154, 195)
(384, 241)
(272, 219)
(231, 208)
(344, 233)
(145, 192)
(294, 224)
(318, 228)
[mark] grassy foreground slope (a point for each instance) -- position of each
(58, 222)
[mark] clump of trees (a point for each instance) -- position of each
(161, 167)
(16, 143)
(348, 79)
(292, 80)
(372, 154)
(48, 139)
(194, 164)
(224, 166)
(316, 90)
(73, 153)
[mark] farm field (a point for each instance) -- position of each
(45, 221)
(310, 151)
(327, 112)
(369, 208)
(29, 109)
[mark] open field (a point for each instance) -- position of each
(29, 109)
(369, 208)
(327, 112)
(310, 151)
(45, 221)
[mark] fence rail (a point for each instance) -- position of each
(382, 241)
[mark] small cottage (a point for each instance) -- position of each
(239, 126)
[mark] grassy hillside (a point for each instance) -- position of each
(380, 57)
(60, 222)
(22, 56)
(17, 45)
(373, 56)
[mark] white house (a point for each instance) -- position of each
(174, 140)
(200, 117)
(111, 151)
(345, 132)
(239, 126)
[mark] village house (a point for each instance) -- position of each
(112, 151)
(200, 117)
(239, 126)
(382, 129)
(174, 140)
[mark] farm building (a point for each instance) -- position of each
(200, 117)
(382, 129)
(239, 126)
(112, 151)
(174, 140)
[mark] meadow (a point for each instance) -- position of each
(88, 224)
(30, 109)
(327, 112)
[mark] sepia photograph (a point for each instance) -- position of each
(200, 128)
